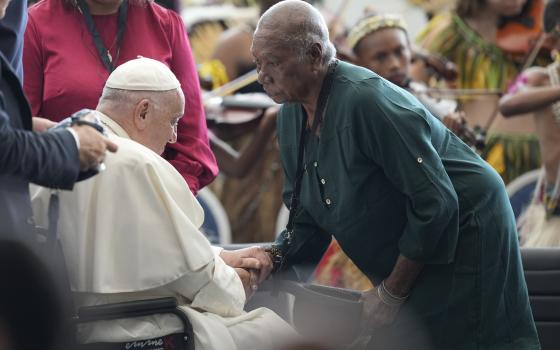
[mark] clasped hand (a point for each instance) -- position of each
(253, 265)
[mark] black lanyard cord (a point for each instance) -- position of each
(319, 112)
(101, 49)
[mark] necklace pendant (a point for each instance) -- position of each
(110, 57)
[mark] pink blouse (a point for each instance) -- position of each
(64, 73)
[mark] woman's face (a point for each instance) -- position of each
(506, 8)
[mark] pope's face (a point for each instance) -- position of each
(3, 5)
(387, 53)
(163, 126)
(283, 76)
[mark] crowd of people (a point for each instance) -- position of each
(390, 152)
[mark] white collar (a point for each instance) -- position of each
(112, 126)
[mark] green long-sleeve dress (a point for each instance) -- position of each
(387, 178)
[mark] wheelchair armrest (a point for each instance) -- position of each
(127, 309)
(137, 308)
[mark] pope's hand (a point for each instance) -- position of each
(375, 312)
(93, 146)
(249, 281)
(252, 258)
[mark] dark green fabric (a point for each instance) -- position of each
(399, 182)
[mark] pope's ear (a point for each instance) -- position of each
(141, 114)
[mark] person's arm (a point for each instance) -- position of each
(48, 159)
(238, 164)
(216, 288)
(33, 67)
(309, 241)
(396, 134)
(531, 94)
(398, 140)
(228, 50)
(191, 154)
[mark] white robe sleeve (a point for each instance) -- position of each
(216, 289)
(135, 227)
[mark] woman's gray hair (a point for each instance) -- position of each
(311, 32)
(298, 26)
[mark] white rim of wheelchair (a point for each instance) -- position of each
(219, 213)
(282, 219)
(522, 181)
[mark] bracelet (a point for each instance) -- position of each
(276, 257)
(388, 298)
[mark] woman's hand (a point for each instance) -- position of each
(376, 313)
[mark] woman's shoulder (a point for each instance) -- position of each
(162, 14)
(47, 10)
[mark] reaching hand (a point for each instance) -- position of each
(376, 313)
(249, 281)
(253, 258)
(93, 146)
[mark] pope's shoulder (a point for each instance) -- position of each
(135, 157)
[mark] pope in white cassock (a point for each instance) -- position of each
(132, 232)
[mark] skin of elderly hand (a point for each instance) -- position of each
(42, 124)
(249, 281)
(375, 312)
(454, 121)
(93, 146)
(252, 258)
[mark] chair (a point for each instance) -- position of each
(177, 341)
(520, 191)
(542, 273)
(216, 224)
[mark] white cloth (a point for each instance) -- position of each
(535, 229)
(131, 233)
(143, 74)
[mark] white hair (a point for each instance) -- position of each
(300, 26)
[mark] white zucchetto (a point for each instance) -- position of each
(143, 74)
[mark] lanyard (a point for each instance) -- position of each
(319, 112)
(104, 54)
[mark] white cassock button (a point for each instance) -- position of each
(323, 181)
(419, 160)
(328, 201)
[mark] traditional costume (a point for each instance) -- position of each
(483, 65)
(539, 225)
(386, 178)
(132, 233)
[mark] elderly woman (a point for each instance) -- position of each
(415, 208)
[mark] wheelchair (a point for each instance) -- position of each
(176, 341)
(339, 309)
